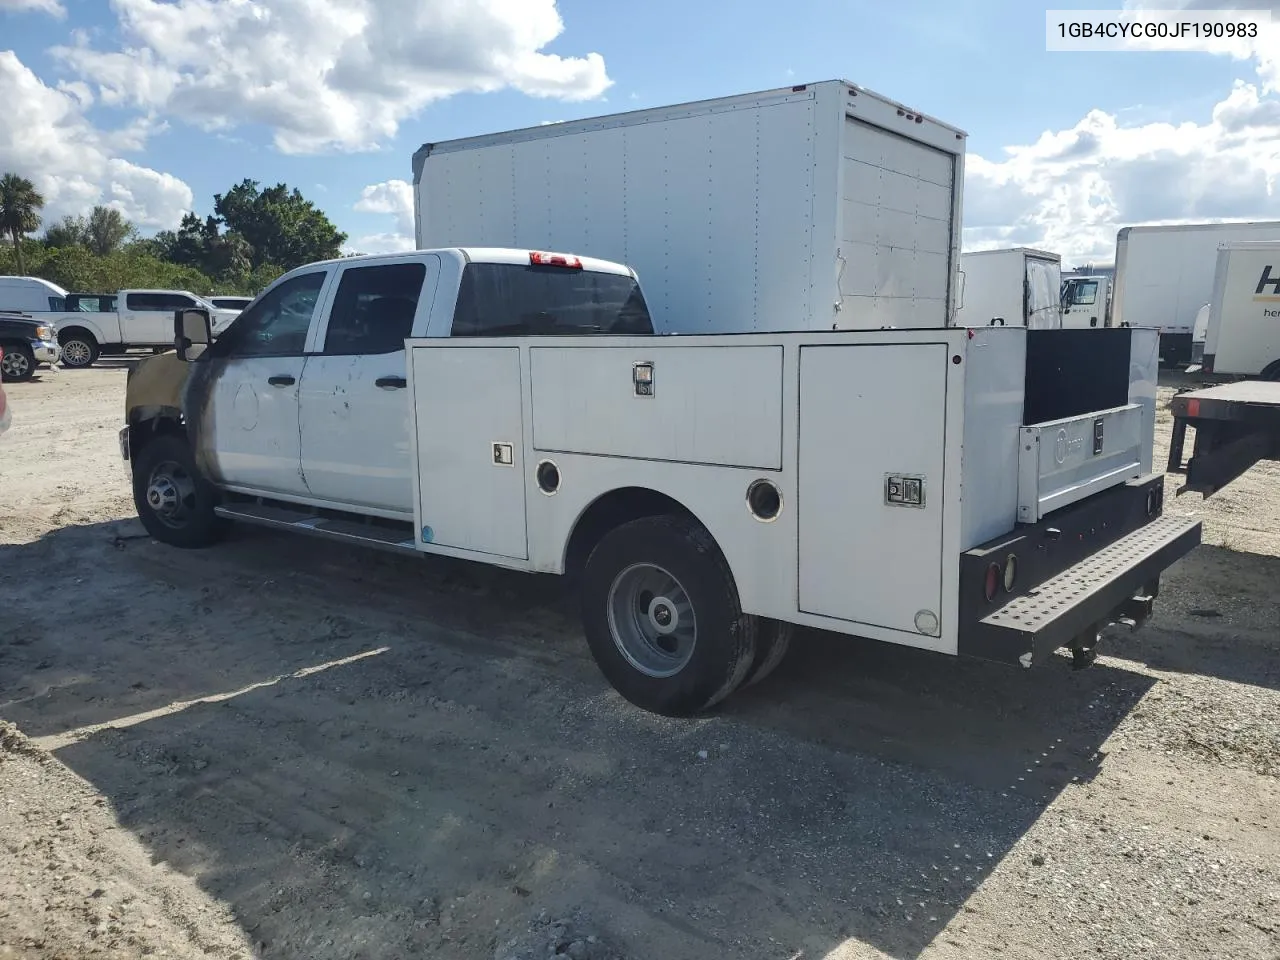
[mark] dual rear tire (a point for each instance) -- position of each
(663, 620)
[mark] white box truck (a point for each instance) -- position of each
(1243, 333)
(1164, 275)
(822, 206)
(1015, 287)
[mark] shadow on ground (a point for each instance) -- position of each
(473, 766)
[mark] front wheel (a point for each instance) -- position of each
(79, 350)
(19, 363)
(662, 617)
(174, 500)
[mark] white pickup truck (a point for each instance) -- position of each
(956, 490)
(92, 325)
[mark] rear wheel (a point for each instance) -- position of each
(79, 349)
(662, 616)
(19, 363)
(174, 501)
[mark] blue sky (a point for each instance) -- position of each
(155, 106)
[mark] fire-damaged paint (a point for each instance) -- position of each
(165, 394)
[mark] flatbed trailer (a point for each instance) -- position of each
(1236, 424)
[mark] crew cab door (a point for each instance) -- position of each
(251, 424)
(355, 416)
(147, 317)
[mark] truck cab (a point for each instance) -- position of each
(303, 398)
(1086, 302)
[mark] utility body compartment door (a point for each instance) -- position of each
(469, 435)
(872, 442)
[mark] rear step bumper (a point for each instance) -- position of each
(1117, 583)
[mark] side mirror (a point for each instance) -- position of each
(959, 289)
(192, 333)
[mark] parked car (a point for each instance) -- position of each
(27, 343)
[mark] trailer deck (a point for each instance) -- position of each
(1236, 424)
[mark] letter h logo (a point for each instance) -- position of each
(1268, 280)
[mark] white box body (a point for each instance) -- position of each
(819, 207)
(1243, 333)
(1018, 287)
(1164, 274)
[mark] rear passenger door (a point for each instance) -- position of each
(354, 406)
(147, 317)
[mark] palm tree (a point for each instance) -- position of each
(20, 205)
(107, 230)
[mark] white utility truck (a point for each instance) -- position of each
(1017, 287)
(817, 207)
(1164, 275)
(92, 325)
(1242, 336)
(965, 491)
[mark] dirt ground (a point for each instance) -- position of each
(282, 748)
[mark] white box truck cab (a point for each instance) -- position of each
(1086, 302)
(822, 206)
(94, 325)
(983, 492)
(1018, 287)
(29, 295)
(1165, 274)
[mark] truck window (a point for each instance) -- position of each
(1083, 294)
(276, 326)
(511, 299)
(158, 301)
(373, 310)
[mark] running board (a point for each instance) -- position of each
(331, 528)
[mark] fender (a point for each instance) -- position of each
(103, 331)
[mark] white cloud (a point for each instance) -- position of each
(53, 7)
(1071, 190)
(394, 197)
(1264, 49)
(328, 74)
(380, 243)
(391, 196)
(44, 135)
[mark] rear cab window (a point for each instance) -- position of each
(510, 300)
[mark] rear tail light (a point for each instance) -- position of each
(555, 260)
(992, 583)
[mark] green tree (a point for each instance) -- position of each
(20, 205)
(107, 230)
(280, 225)
(67, 232)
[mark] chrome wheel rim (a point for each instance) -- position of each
(652, 620)
(171, 494)
(15, 364)
(76, 353)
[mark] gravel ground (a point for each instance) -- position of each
(280, 748)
